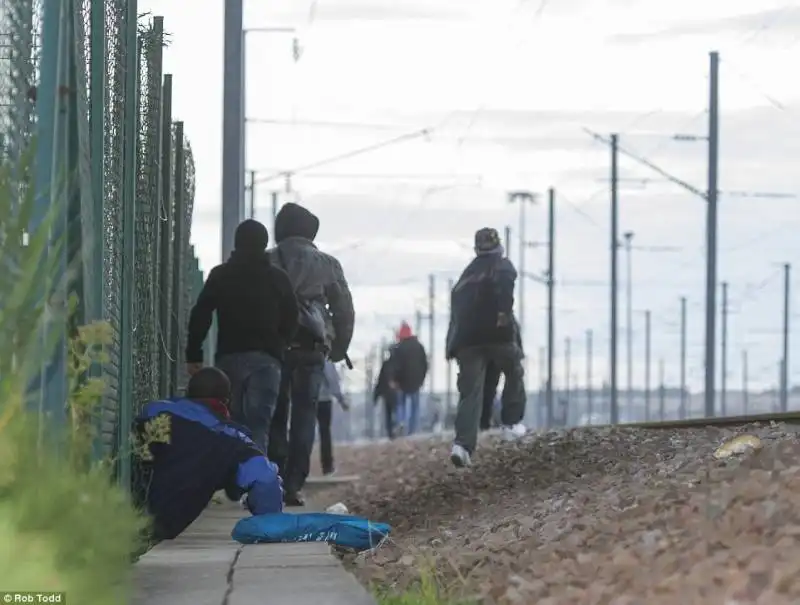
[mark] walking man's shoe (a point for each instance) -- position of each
(514, 432)
(293, 499)
(329, 473)
(460, 457)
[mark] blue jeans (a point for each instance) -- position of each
(294, 424)
(408, 410)
(255, 379)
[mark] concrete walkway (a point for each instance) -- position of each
(204, 566)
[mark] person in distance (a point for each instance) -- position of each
(330, 389)
(408, 366)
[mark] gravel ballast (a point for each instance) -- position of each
(591, 516)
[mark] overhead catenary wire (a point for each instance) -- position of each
(424, 132)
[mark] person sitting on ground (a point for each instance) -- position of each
(199, 453)
(330, 389)
(482, 330)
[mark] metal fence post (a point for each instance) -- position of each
(50, 203)
(130, 140)
(165, 241)
(178, 261)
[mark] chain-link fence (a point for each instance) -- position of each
(88, 78)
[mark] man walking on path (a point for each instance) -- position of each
(482, 330)
(325, 329)
(256, 320)
(408, 366)
(188, 449)
(330, 389)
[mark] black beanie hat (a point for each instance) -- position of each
(251, 236)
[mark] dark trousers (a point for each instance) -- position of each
(472, 365)
(489, 393)
(291, 443)
(324, 417)
(255, 381)
(388, 414)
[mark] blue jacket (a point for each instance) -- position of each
(483, 292)
(205, 453)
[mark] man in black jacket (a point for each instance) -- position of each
(325, 329)
(482, 330)
(408, 366)
(256, 320)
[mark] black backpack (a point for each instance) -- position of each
(310, 318)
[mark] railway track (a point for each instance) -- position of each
(792, 418)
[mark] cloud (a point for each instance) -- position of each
(783, 21)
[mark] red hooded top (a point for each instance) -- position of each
(404, 333)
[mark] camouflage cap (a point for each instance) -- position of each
(486, 239)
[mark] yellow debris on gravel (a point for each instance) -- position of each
(738, 445)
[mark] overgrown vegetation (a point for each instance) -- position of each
(64, 525)
(427, 591)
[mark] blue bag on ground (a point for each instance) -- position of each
(342, 530)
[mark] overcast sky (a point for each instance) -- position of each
(506, 88)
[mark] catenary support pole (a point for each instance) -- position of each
(723, 379)
(647, 361)
(233, 160)
(614, 403)
(567, 384)
(682, 409)
(251, 188)
(449, 366)
(431, 335)
(274, 211)
(787, 272)
(551, 304)
(662, 390)
(745, 384)
(711, 233)
(589, 385)
(628, 237)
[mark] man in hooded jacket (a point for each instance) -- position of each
(325, 329)
(408, 367)
(482, 330)
(256, 320)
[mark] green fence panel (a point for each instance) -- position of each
(145, 350)
(122, 176)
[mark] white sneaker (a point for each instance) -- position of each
(514, 432)
(460, 457)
